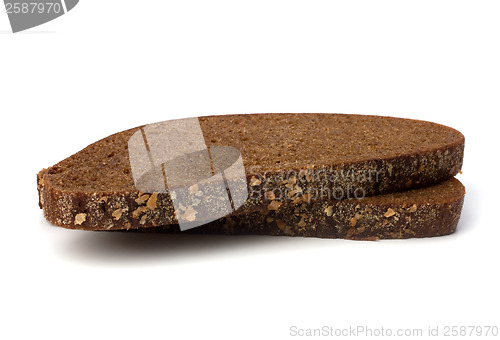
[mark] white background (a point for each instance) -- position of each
(111, 65)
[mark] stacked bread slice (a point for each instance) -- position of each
(316, 175)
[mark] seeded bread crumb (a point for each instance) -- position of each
(435, 211)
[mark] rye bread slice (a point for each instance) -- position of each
(291, 153)
(426, 212)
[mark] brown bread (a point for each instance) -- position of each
(291, 153)
(425, 212)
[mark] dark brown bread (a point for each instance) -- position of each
(94, 188)
(425, 212)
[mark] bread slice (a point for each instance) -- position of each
(294, 153)
(425, 212)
